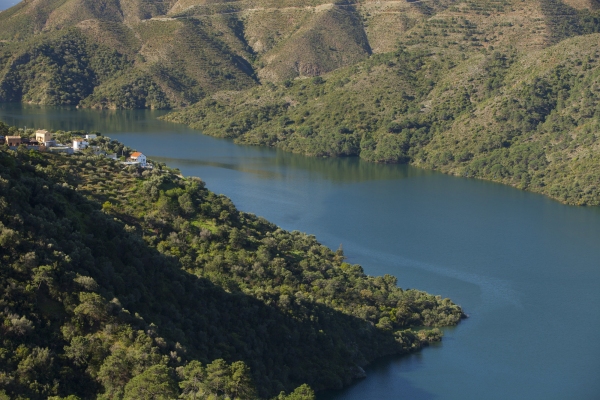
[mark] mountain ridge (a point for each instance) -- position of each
(391, 82)
(239, 44)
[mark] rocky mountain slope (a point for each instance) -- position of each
(173, 53)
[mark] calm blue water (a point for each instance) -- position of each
(525, 268)
(4, 4)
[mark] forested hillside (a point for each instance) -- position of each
(120, 282)
(528, 120)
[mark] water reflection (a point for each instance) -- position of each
(336, 170)
(198, 150)
(69, 118)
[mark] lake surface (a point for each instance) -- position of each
(4, 4)
(525, 268)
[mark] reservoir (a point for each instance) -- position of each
(525, 268)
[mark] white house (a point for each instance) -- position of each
(79, 144)
(90, 136)
(138, 158)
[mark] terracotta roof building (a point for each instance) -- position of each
(138, 157)
(13, 141)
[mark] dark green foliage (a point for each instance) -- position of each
(565, 21)
(130, 91)
(120, 283)
(155, 383)
(60, 70)
(217, 379)
(303, 392)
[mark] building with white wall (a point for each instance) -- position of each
(138, 157)
(79, 144)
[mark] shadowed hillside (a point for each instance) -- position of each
(116, 279)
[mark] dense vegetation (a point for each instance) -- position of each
(106, 65)
(528, 120)
(121, 283)
(60, 70)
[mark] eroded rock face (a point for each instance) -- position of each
(331, 39)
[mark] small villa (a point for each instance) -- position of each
(138, 157)
(13, 141)
(43, 137)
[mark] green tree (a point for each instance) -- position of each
(155, 383)
(114, 373)
(92, 307)
(217, 377)
(303, 392)
(240, 384)
(192, 383)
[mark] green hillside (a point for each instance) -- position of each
(163, 62)
(119, 282)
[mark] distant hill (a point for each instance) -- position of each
(494, 89)
(121, 282)
(173, 53)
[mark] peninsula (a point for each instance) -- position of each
(121, 280)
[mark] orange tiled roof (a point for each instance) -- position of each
(136, 154)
